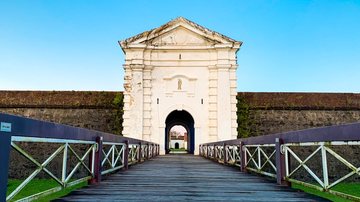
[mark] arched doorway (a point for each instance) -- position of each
(178, 139)
(184, 119)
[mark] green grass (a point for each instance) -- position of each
(347, 188)
(39, 185)
(63, 192)
(181, 149)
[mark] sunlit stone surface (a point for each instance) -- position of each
(180, 66)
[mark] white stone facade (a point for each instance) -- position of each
(180, 66)
(182, 144)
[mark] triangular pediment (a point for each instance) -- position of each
(180, 36)
(179, 31)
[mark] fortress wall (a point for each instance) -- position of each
(92, 110)
(280, 112)
(267, 112)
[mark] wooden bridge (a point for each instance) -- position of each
(186, 178)
(124, 169)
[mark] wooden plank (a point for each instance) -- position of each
(185, 178)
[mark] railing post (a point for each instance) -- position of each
(242, 153)
(97, 162)
(325, 167)
(259, 157)
(214, 152)
(280, 163)
(207, 151)
(5, 139)
(64, 164)
(148, 152)
(203, 150)
(225, 154)
(140, 152)
(152, 150)
(126, 155)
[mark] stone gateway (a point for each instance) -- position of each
(180, 74)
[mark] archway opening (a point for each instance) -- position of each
(179, 125)
(178, 139)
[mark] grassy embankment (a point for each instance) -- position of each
(347, 188)
(39, 185)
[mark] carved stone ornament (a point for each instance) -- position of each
(179, 84)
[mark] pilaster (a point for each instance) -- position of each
(127, 100)
(213, 97)
(233, 101)
(223, 102)
(147, 102)
(133, 101)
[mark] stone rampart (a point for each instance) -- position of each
(267, 113)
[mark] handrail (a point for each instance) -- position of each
(106, 152)
(271, 155)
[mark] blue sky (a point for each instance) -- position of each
(292, 46)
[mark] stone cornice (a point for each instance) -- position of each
(137, 67)
(176, 47)
(148, 67)
(223, 66)
(146, 37)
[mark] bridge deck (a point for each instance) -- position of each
(186, 178)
